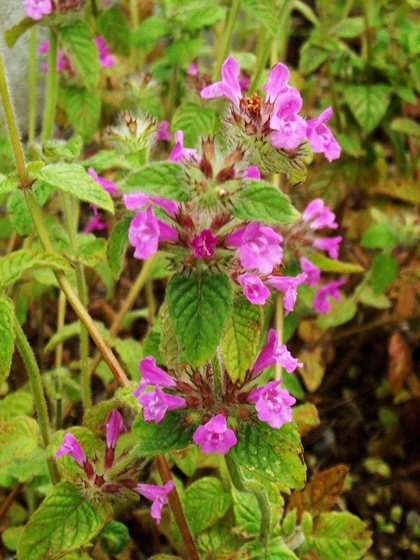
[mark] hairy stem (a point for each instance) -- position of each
(37, 391)
(51, 96)
(227, 36)
(32, 86)
(279, 328)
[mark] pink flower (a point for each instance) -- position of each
(157, 494)
(272, 353)
(273, 405)
(114, 427)
(192, 69)
(108, 186)
(71, 446)
(156, 403)
(138, 200)
(146, 231)
(291, 128)
(321, 302)
(288, 285)
(203, 244)
(254, 289)
(320, 137)
(229, 86)
(94, 224)
(330, 244)
(244, 83)
(35, 9)
(163, 132)
(253, 172)
(152, 375)
(215, 436)
(258, 247)
(277, 82)
(105, 59)
(319, 215)
(313, 273)
(179, 152)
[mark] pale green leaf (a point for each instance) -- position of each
(204, 502)
(18, 437)
(341, 312)
(7, 345)
(15, 265)
(150, 30)
(407, 126)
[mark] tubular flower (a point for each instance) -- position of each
(229, 86)
(253, 172)
(114, 427)
(272, 404)
(318, 215)
(152, 375)
(320, 137)
(291, 129)
(105, 59)
(156, 403)
(215, 436)
(146, 231)
(179, 152)
(157, 494)
(330, 244)
(138, 200)
(203, 244)
(321, 302)
(35, 9)
(163, 132)
(313, 273)
(71, 446)
(108, 186)
(254, 289)
(272, 353)
(288, 285)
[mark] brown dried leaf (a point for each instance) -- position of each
(309, 331)
(402, 189)
(400, 362)
(320, 493)
(306, 418)
(313, 369)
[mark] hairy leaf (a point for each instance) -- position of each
(83, 108)
(159, 179)
(113, 25)
(18, 263)
(193, 121)
(263, 12)
(154, 438)
(18, 437)
(205, 502)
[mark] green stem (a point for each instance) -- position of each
(279, 313)
(258, 491)
(333, 92)
(81, 291)
(172, 92)
(94, 8)
(227, 35)
(150, 300)
(51, 96)
(32, 86)
(217, 374)
(37, 391)
(365, 8)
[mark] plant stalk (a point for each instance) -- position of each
(227, 35)
(32, 86)
(279, 313)
(51, 97)
(217, 374)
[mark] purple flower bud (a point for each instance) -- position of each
(254, 289)
(94, 224)
(179, 152)
(108, 186)
(330, 244)
(321, 302)
(156, 403)
(114, 427)
(203, 244)
(313, 273)
(153, 375)
(291, 128)
(277, 82)
(320, 137)
(35, 9)
(138, 200)
(215, 436)
(288, 285)
(319, 215)
(272, 353)
(253, 172)
(273, 405)
(258, 247)
(229, 86)
(105, 59)
(163, 132)
(158, 496)
(71, 446)
(146, 231)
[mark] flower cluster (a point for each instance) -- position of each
(104, 480)
(36, 9)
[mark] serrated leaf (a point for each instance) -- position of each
(241, 337)
(75, 180)
(194, 121)
(384, 270)
(159, 179)
(273, 454)
(368, 103)
(77, 38)
(247, 513)
(64, 522)
(12, 34)
(380, 236)
(263, 12)
(333, 265)
(7, 345)
(262, 202)
(169, 347)
(204, 502)
(6, 185)
(19, 214)
(83, 109)
(338, 536)
(117, 245)
(113, 26)
(56, 150)
(311, 57)
(199, 307)
(18, 438)
(154, 438)
(18, 263)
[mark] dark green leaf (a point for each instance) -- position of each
(204, 502)
(384, 270)
(380, 236)
(154, 438)
(117, 534)
(113, 26)
(368, 103)
(193, 121)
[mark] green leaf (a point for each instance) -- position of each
(204, 502)
(130, 352)
(91, 250)
(264, 13)
(247, 513)
(6, 185)
(154, 438)
(201, 16)
(273, 454)
(184, 50)
(262, 202)
(12, 34)
(11, 536)
(150, 30)
(384, 271)
(65, 333)
(64, 522)
(169, 347)
(407, 126)
(18, 263)
(159, 179)
(57, 150)
(332, 265)
(83, 109)
(380, 236)
(341, 312)
(16, 404)
(117, 245)
(368, 103)
(311, 57)
(348, 28)
(194, 121)
(241, 337)
(18, 437)
(77, 38)
(199, 307)
(74, 179)
(367, 297)
(7, 345)
(113, 26)
(338, 536)
(117, 534)
(18, 213)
